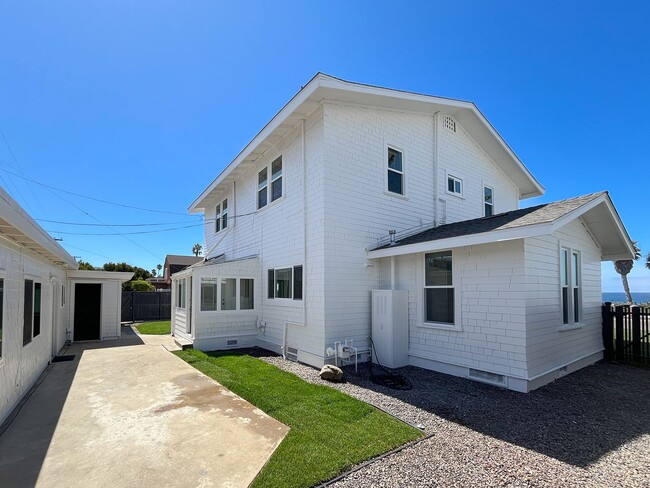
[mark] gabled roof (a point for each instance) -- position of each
(323, 87)
(596, 211)
(16, 225)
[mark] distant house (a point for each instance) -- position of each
(362, 211)
(160, 283)
(175, 263)
(45, 300)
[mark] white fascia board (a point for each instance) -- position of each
(616, 220)
(16, 216)
(87, 274)
(267, 130)
(462, 241)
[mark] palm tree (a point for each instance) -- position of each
(624, 267)
(197, 249)
(159, 267)
(647, 261)
(153, 272)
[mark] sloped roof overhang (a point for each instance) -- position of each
(598, 215)
(323, 88)
(17, 226)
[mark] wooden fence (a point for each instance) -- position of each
(626, 333)
(146, 305)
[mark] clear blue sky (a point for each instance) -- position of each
(143, 103)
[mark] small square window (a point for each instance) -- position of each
(454, 185)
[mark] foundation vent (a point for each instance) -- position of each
(450, 124)
(231, 342)
(486, 376)
(292, 353)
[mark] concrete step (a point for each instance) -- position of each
(183, 343)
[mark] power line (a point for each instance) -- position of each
(107, 202)
(113, 225)
(123, 233)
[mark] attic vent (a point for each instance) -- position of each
(231, 342)
(486, 376)
(449, 123)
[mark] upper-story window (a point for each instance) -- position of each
(275, 183)
(395, 171)
(221, 216)
(454, 185)
(488, 201)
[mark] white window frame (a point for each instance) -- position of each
(488, 187)
(221, 216)
(456, 179)
(3, 318)
(455, 280)
(573, 287)
(181, 294)
(268, 185)
(292, 270)
(218, 295)
(402, 173)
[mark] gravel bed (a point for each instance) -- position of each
(590, 428)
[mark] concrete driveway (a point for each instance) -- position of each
(129, 413)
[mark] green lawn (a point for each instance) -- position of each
(330, 431)
(155, 328)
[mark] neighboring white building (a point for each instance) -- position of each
(298, 235)
(39, 282)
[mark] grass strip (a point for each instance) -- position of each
(155, 328)
(330, 431)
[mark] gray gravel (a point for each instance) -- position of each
(590, 428)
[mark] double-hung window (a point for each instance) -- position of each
(31, 311)
(454, 185)
(285, 283)
(221, 216)
(488, 201)
(275, 183)
(395, 171)
(180, 293)
(438, 288)
(570, 282)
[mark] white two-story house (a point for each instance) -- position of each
(361, 211)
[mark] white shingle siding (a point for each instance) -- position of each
(548, 347)
(21, 365)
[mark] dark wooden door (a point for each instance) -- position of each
(87, 311)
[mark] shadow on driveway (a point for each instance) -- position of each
(576, 419)
(30, 427)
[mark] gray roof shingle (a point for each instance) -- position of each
(540, 214)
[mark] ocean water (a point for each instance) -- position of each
(620, 297)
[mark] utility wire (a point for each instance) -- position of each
(86, 224)
(107, 202)
(123, 233)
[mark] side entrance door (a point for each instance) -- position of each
(87, 311)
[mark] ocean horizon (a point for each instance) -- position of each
(615, 296)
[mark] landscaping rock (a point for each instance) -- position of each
(331, 373)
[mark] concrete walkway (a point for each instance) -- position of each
(129, 413)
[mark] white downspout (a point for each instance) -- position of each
(224, 234)
(392, 273)
(436, 117)
(304, 224)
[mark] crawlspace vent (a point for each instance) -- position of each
(231, 342)
(292, 353)
(449, 123)
(487, 376)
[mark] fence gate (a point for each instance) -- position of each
(127, 306)
(146, 305)
(626, 333)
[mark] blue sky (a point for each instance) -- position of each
(143, 103)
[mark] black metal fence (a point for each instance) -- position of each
(626, 333)
(146, 305)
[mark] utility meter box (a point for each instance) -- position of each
(390, 319)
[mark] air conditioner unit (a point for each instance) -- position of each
(390, 327)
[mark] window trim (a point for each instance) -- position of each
(402, 173)
(3, 308)
(218, 294)
(572, 290)
(221, 216)
(273, 272)
(181, 294)
(455, 179)
(455, 280)
(268, 185)
(34, 281)
(485, 204)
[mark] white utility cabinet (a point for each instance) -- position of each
(390, 327)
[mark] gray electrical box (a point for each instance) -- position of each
(390, 319)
